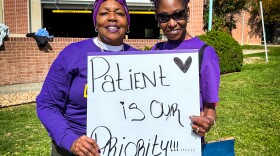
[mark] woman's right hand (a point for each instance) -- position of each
(85, 146)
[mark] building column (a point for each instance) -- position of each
(1, 11)
(35, 15)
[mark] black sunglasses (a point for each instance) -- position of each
(177, 16)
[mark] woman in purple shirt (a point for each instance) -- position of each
(172, 17)
(61, 104)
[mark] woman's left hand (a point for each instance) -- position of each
(201, 125)
(85, 146)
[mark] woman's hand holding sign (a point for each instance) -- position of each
(85, 146)
(203, 123)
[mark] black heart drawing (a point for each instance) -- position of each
(184, 67)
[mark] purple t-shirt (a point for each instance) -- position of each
(209, 76)
(61, 104)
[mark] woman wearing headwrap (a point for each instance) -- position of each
(172, 17)
(61, 105)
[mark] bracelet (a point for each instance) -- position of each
(214, 126)
(214, 121)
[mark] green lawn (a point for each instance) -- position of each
(249, 107)
(248, 110)
(21, 133)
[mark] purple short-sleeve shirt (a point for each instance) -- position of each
(209, 72)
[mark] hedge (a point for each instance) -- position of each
(227, 48)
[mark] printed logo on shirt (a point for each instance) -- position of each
(85, 91)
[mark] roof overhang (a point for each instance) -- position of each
(87, 4)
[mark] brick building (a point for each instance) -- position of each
(23, 16)
(21, 61)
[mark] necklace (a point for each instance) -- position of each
(102, 46)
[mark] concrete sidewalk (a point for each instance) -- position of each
(13, 95)
(20, 88)
(245, 52)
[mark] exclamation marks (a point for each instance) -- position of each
(174, 146)
(171, 146)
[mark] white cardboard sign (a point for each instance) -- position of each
(139, 103)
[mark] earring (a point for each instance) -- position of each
(158, 25)
(188, 15)
(128, 31)
(96, 29)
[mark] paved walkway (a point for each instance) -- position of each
(254, 51)
(20, 88)
(12, 95)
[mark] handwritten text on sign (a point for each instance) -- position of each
(139, 103)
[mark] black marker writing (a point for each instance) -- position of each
(171, 112)
(124, 114)
(137, 112)
(125, 80)
(156, 111)
(113, 146)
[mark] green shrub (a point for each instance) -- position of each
(147, 48)
(228, 50)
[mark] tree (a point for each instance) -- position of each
(224, 12)
(271, 10)
(271, 16)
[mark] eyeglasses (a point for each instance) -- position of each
(177, 16)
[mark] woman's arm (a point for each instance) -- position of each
(51, 102)
(209, 86)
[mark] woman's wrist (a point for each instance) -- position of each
(211, 120)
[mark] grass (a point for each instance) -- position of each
(21, 132)
(249, 107)
(248, 110)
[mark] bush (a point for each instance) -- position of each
(228, 50)
(147, 48)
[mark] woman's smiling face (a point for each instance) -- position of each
(172, 18)
(111, 23)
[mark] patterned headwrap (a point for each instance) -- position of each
(155, 2)
(97, 4)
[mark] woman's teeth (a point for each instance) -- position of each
(174, 31)
(112, 29)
